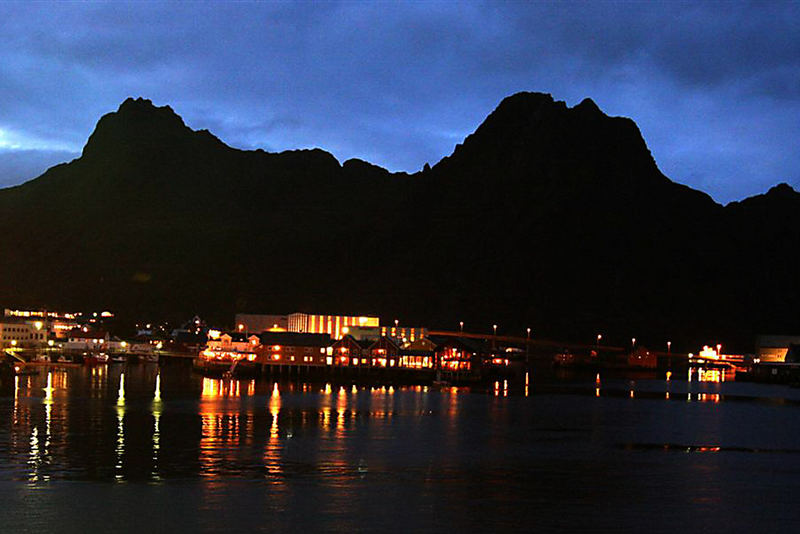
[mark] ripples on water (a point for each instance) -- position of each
(138, 446)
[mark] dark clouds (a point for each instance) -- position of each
(714, 87)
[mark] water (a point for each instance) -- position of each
(139, 448)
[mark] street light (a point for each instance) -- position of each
(719, 349)
(633, 343)
(599, 337)
(494, 326)
(461, 325)
(669, 347)
(528, 348)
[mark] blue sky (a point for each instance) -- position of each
(714, 87)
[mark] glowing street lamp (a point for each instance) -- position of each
(528, 350)
(461, 326)
(669, 347)
(599, 337)
(494, 327)
(719, 349)
(633, 342)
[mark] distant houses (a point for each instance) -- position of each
(300, 341)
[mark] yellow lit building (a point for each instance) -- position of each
(22, 334)
(404, 334)
(333, 325)
(774, 348)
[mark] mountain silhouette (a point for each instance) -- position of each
(546, 216)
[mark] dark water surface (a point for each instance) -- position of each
(165, 450)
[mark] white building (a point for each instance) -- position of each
(22, 334)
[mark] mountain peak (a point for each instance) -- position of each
(782, 190)
(588, 107)
(144, 108)
(136, 122)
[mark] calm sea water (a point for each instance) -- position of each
(138, 448)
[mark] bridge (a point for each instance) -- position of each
(527, 342)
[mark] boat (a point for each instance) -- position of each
(94, 358)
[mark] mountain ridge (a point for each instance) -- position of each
(545, 216)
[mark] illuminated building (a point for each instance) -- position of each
(235, 343)
(332, 325)
(292, 348)
(420, 354)
(22, 334)
(29, 314)
(349, 351)
(383, 353)
(228, 352)
(91, 340)
(771, 349)
(458, 354)
(404, 334)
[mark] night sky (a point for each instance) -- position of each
(715, 88)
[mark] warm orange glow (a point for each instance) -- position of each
(709, 353)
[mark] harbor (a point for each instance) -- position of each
(304, 346)
(161, 439)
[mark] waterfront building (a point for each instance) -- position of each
(419, 354)
(457, 354)
(22, 334)
(232, 341)
(771, 349)
(332, 325)
(351, 351)
(232, 346)
(384, 352)
(93, 340)
(293, 348)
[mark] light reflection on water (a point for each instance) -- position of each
(533, 441)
